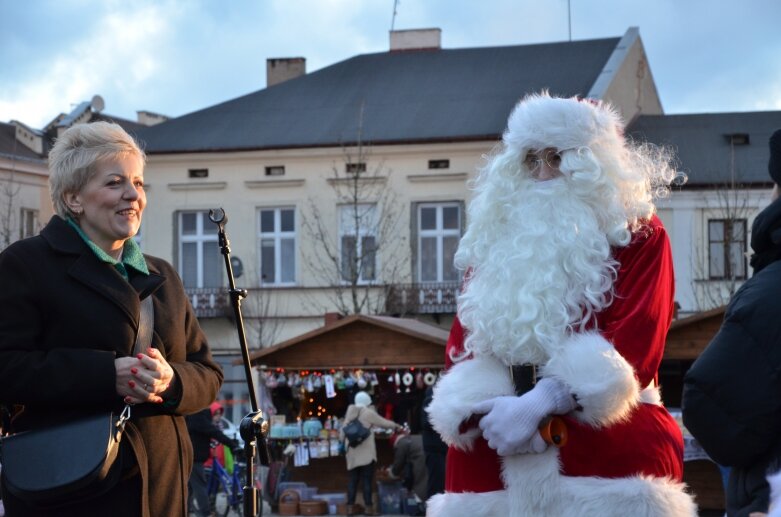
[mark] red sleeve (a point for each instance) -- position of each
(639, 317)
(455, 342)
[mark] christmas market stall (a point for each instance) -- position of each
(686, 340)
(312, 378)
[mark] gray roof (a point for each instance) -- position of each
(702, 144)
(437, 95)
(11, 147)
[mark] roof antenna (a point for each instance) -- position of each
(393, 19)
(569, 18)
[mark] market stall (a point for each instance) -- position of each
(312, 379)
(686, 340)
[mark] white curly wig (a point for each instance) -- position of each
(540, 252)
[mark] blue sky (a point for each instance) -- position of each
(177, 56)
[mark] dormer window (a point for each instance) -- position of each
(275, 170)
(439, 164)
(738, 138)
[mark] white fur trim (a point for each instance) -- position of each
(541, 121)
(468, 504)
(465, 384)
(601, 379)
(535, 488)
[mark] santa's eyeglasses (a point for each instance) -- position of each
(550, 156)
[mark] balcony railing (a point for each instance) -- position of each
(423, 298)
(209, 302)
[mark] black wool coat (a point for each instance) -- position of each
(64, 318)
(732, 392)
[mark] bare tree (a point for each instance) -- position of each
(364, 257)
(9, 217)
(721, 265)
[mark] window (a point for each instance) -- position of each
(198, 173)
(275, 170)
(726, 249)
(439, 230)
(358, 242)
(439, 164)
(28, 219)
(200, 258)
(355, 168)
(278, 246)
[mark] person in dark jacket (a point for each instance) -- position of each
(70, 306)
(732, 392)
(435, 450)
(202, 431)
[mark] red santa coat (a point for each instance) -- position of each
(646, 440)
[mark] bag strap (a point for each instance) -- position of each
(143, 342)
(145, 325)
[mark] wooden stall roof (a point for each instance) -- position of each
(688, 337)
(360, 341)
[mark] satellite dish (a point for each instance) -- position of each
(97, 104)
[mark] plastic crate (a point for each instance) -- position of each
(391, 496)
(333, 500)
(297, 486)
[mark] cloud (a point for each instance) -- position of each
(119, 52)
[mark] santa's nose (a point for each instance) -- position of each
(545, 172)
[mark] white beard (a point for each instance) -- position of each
(541, 267)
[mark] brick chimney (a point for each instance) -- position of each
(149, 118)
(415, 39)
(281, 69)
(331, 318)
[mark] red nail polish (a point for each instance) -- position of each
(128, 400)
(131, 384)
(139, 356)
(134, 371)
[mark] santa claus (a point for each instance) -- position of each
(566, 304)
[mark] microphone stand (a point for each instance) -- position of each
(253, 428)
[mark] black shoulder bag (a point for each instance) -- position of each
(74, 461)
(355, 431)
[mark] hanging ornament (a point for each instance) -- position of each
(361, 382)
(330, 392)
(407, 379)
(374, 380)
(419, 380)
(271, 381)
(318, 382)
(281, 379)
(309, 385)
(429, 378)
(349, 382)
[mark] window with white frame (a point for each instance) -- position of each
(439, 230)
(358, 242)
(28, 219)
(727, 249)
(277, 246)
(200, 258)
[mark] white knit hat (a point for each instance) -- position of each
(362, 399)
(540, 121)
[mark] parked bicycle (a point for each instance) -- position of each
(226, 490)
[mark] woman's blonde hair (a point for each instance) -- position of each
(74, 158)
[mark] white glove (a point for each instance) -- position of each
(510, 423)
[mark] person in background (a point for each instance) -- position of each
(203, 430)
(70, 307)
(361, 460)
(732, 392)
(409, 464)
(435, 450)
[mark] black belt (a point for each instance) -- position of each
(524, 377)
